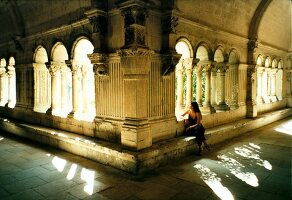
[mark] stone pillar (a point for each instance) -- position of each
(56, 90)
(180, 87)
(273, 85)
(135, 133)
(11, 84)
(100, 69)
(198, 71)
(251, 92)
(233, 70)
(214, 87)
(64, 89)
(135, 64)
(189, 84)
(269, 83)
(259, 84)
(207, 108)
(222, 106)
(77, 93)
(3, 76)
(84, 89)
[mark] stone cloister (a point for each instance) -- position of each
(116, 75)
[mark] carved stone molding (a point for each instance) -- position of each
(100, 63)
(135, 52)
(135, 25)
(169, 61)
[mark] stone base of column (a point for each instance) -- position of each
(207, 109)
(135, 134)
(251, 110)
(234, 106)
(222, 107)
(273, 98)
(260, 100)
(266, 100)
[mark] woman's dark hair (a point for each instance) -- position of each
(195, 106)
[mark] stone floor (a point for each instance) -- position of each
(256, 165)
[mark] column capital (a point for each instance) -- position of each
(53, 69)
(169, 62)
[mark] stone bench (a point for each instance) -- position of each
(135, 162)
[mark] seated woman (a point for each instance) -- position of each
(194, 125)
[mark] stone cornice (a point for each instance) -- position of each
(129, 52)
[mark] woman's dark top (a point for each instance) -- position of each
(197, 131)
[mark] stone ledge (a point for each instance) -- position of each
(135, 162)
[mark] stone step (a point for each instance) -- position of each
(135, 161)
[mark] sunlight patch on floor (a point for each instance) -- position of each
(59, 163)
(285, 128)
(1, 138)
(236, 167)
(214, 182)
(247, 153)
(72, 172)
(88, 176)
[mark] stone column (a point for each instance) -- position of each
(273, 85)
(135, 63)
(76, 90)
(259, 84)
(207, 108)
(198, 71)
(64, 88)
(269, 83)
(54, 70)
(189, 83)
(3, 77)
(180, 87)
(222, 106)
(11, 84)
(84, 89)
(213, 87)
(251, 92)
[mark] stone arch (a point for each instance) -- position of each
(203, 73)
(267, 62)
(83, 105)
(274, 63)
(61, 81)
(232, 84)
(259, 60)
(266, 80)
(219, 55)
(42, 80)
(203, 52)
(184, 75)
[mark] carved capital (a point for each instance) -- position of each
(134, 52)
(169, 61)
(53, 69)
(100, 63)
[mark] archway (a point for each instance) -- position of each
(61, 81)
(184, 76)
(232, 80)
(42, 81)
(83, 80)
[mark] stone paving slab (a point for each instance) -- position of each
(256, 165)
